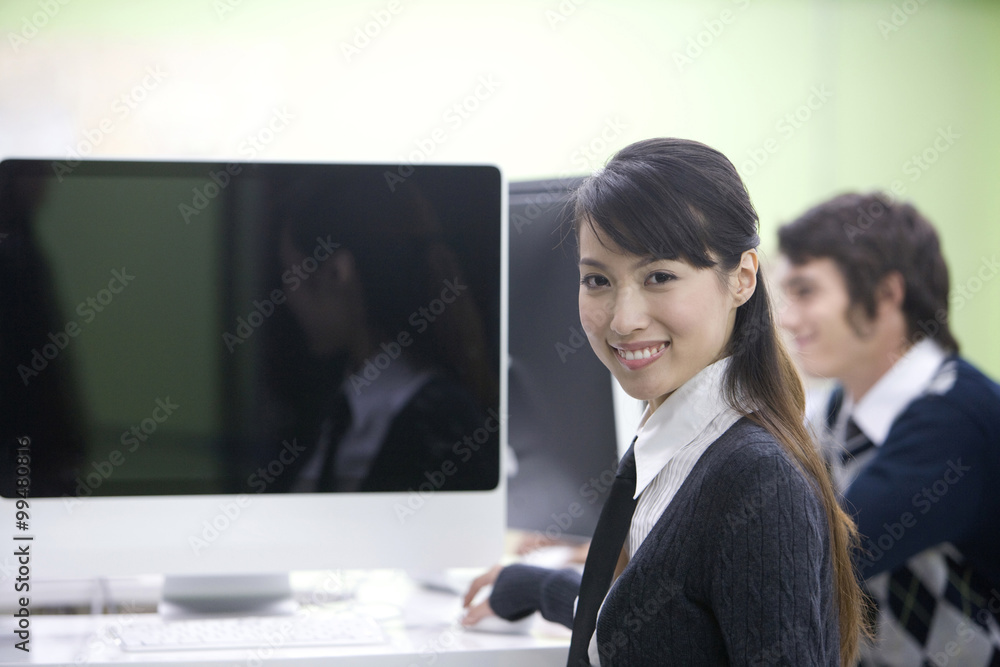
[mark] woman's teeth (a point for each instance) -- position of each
(645, 353)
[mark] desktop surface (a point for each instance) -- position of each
(420, 628)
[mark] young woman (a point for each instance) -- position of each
(737, 552)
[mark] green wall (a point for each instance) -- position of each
(546, 88)
(155, 333)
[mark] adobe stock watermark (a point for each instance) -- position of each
(920, 163)
(786, 127)
(540, 204)
(420, 320)
(462, 452)
(131, 440)
(585, 157)
(211, 529)
(961, 294)
(965, 291)
(88, 310)
(899, 17)
(332, 589)
(268, 474)
(594, 152)
(431, 649)
(577, 340)
(202, 195)
(964, 634)
(121, 108)
(754, 503)
(103, 640)
(562, 12)
(33, 24)
(915, 167)
(774, 654)
(259, 140)
(231, 510)
(218, 180)
(454, 117)
(293, 277)
(713, 28)
(592, 491)
(364, 34)
(224, 7)
(875, 548)
(641, 612)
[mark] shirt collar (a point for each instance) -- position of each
(678, 421)
(885, 401)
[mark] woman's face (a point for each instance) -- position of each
(326, 303)
(654, 323)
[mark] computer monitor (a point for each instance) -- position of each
(249, 368)
(562, 413)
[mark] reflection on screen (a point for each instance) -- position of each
(206, 328)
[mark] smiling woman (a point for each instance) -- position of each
(670, 277)
(730, 545)
(656, 322)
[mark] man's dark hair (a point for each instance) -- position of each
(869, 237)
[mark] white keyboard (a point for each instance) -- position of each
(157, 634)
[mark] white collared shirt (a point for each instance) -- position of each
(908, 378)
(916, 373)
(670, 441)
(373, 404)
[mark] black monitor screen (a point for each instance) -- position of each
(173, 328)
(562, 421)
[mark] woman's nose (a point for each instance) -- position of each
(630, 312)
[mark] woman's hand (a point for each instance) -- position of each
(482, 610)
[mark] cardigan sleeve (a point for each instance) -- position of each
(521, 590)
(772, 580)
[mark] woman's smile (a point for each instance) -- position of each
(653, 322)
(634, 356)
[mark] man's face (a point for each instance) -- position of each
(815, 313)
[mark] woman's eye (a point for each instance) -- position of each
(660, 277)
(593, 282)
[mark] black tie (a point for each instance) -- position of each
(605, 548)
(855, 442)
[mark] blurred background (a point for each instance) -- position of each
(807, 98)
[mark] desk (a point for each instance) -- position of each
(420, 625)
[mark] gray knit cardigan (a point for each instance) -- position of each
(737, 571)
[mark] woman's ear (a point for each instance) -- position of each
(746, 276)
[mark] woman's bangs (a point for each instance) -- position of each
(640, 226)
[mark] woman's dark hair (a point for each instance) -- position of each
(681, 200)
(870, 237)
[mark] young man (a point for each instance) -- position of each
(912, 430)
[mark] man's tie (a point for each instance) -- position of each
(855, 442)
(605, 547)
